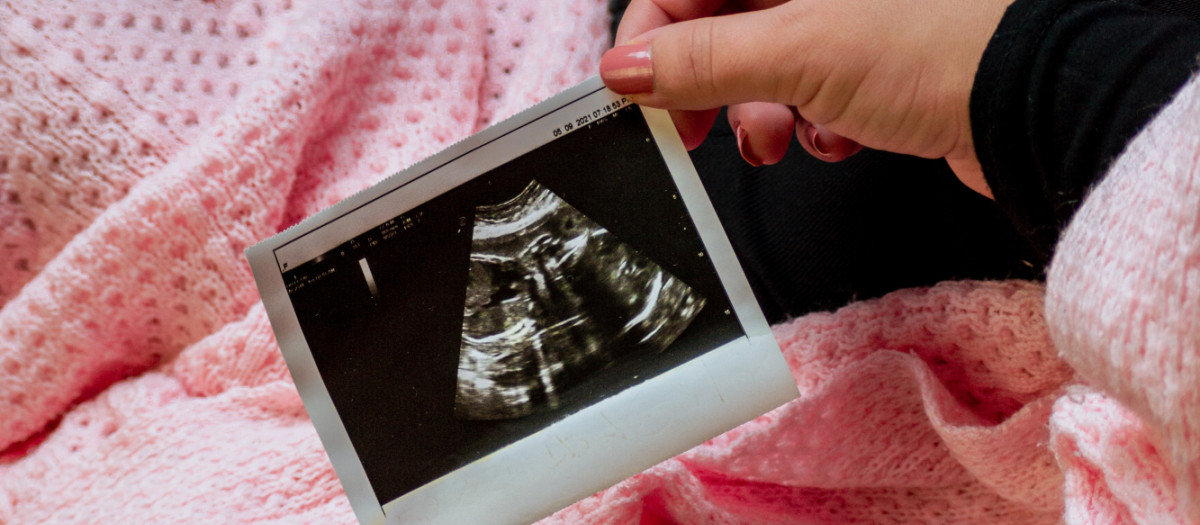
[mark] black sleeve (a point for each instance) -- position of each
(1063, 85)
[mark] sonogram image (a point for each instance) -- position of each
(551, 297)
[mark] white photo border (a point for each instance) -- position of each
(572, 458)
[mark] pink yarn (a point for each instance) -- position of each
(1124, 304)
(926, 406)
(144, 145)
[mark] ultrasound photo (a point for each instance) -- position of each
(551, 297)
(513, 324)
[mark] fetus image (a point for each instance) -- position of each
(551, 298)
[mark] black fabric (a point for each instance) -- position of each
(616, 11)
(1062, 87)
(1185, 8)
(815, 236)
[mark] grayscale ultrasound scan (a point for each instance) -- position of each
(552, 296)
(534, 314)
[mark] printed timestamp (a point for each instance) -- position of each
(583, 120)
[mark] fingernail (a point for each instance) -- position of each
(744, 146)
(627, 69)
(814, 139)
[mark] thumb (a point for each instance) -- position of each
(708, 62)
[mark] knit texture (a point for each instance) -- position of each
(925, 406)
(144, 145)
(1124, 301)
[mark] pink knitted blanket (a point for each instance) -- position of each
(144, 145)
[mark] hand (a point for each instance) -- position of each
(894, 75)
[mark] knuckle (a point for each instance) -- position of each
(700, 58)
(791, 55)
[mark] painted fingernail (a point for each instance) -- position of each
(744, 146)
(814, 139)
(627, 69)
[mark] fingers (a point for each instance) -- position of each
(707, 63)
(970, 173)
(628, 72)
(671, 56)
(824, 144)
(643, 15)
(693, 126)
(763, 131)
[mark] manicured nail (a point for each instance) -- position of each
(627, 69)
(814, 139)
(744, 146)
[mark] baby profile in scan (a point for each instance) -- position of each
(551, 297)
